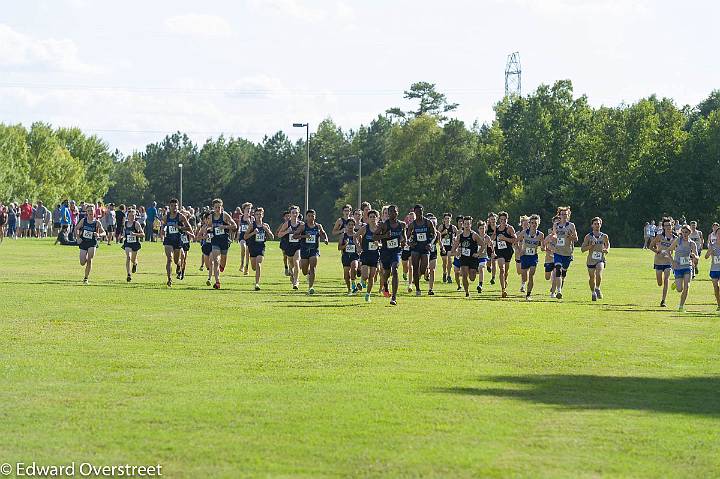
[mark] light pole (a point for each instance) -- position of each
(359, 181)
(307, 169)
(180, 166)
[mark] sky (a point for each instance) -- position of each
(133, 71)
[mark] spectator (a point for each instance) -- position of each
(12, 220)
(120, 220)
(56, 218)
(25, 217)
(65, 223)
(39, 219)
(152, 213)
(110, 222)
(646, 235)
(142, 219)
(3, 220)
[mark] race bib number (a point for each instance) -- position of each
(560, 242)
(260, 236)
(292, 240)
(446, 242)
(87, 234)
(172, 230)
(219, 230)
(421, 237)
(393, 243)
(130, 239)
(465, 251)
(716, 259)
(210, 235)
(184, 239)
(311, 239)
(350, 248)
(596, 255)
(501, 244)
(530, 251)
(684, 260)
(372, 246)
(406, 247)
(243, 228)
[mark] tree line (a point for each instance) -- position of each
(628, 164)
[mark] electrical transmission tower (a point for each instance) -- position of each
(513, 74)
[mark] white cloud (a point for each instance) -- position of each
(583, 7)
(303, 10)
(26, 52)
(198, 24)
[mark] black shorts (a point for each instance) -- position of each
(185, 246)
(348, 258)
(257, 250)
(172, 240)
(133, 246)
(505, 253)
(292, 248)
(469, 262)
(206, 249)
(309, 253)
(433, 255)
(405, 255)
(370, 258)
(86, 245)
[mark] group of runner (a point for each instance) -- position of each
(378, 247)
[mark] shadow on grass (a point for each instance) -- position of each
(689, 395)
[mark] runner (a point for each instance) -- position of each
(662, 263)
(697, 236)
(173, 222)
(712, 237)
(358, 217)
(421, 234)
(205, 233)
(110, 221)
(185, 238)
(447, 232)
(309, 234)
(549, 247)
(485, 252)
(685, 250)
(349, 257)
(237, 235)
(284, 241)
(133, 232)
(459, 220)
(597, 245)
(3, 220)
(713, 252)
(87, 233)
(565, 238)
(504, 238)
(432, 260)
(222, 224)
(293, 247)
(370, 254)
(530, 241)
(466, 250)
(392, 234)
(119, 232)
(405, 256)
(518, 252)
(246, 220)
(339, 226)
(255, 238)
(491, 228)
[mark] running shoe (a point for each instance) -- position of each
(479, 288)
(222, 269)
(208, 282)
(431, 292)
(444, 278)
(492, 280)
(459, 288)
(467, 295)
(287, 272)
(386, 293)
(353, 290)
(681, 309)
(662, 304)
(404, 276)
(522, 288)
(257, 287)
(367, 297)
(504, 294)
(177, 270)
(311, 291)
(528, 298)
(129, 278)
(393, 302)
(295, 286)
(169, 283)
(418, 293)
(409, 289)
(182, 274)
(598, 293)
(718, 309)
(85, 281)
(245, 273)
(558, 295)
(134, 268)
(362, 284)
(594, 296)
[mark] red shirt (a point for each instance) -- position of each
(25, 211)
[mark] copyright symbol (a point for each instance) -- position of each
(6, 469)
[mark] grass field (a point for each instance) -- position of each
(236, 383)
